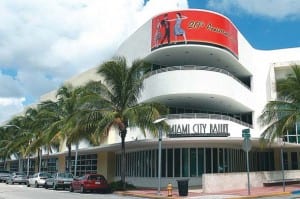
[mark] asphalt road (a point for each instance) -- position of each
(24, 192)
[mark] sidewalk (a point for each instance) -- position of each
(255, 192)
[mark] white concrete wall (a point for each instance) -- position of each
(138, 45)
(218, 182)
(263, 77)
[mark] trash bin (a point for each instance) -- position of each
(183, 187)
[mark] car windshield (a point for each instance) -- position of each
(65, 175)
(45, 175)
(96, 177)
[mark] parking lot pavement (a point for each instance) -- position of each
(24, 192)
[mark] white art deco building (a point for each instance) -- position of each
(215, 85)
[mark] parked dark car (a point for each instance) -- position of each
(90, 182)
(59, 180)
(4, 175)
(17, 177)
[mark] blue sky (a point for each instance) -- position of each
(44, 43)
(266, 24)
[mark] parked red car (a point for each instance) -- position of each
(90, 182)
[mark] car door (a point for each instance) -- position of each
(50, 180)
(76, 183)
(32, 179)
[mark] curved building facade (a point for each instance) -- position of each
(215, 85)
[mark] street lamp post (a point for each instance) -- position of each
(281, 142)
(159, 152)
(28, 159)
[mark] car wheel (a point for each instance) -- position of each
(28, 185)
(71, 188)
(46, 186)
(82, 190)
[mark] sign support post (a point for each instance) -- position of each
(247, 148)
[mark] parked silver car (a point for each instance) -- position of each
(17, 177)
(38, 179)
(59, 180)
(4, 175)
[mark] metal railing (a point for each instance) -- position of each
(207, 116)
(194, 67)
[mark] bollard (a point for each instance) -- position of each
(169, 188)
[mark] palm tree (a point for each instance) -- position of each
(114, 103)
(8, 134)
(15, 139)
(281, 115)
(42, 119)
(65, 117)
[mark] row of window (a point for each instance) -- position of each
(176, 162)
(85, 164)
(192, 162)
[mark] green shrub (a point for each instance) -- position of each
(118, 186)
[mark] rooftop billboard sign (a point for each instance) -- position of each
(194, 27)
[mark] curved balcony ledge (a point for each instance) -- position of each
(198, 88)
(195, 67)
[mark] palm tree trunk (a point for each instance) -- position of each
(69, 158)
(4, 166)
(123, 166)
(38, 161)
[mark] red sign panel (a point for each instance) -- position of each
(194, 27)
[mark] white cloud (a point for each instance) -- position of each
(10, 87)
(47, 42)
(10, 107)
(276, 9)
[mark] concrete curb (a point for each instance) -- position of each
(141, 195)
(144, 195)
(263, 195)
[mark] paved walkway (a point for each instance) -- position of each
(255, 192)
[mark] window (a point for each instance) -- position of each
(208, 160)
(163, 163)
(170, 162)
(14, 166)
(200, 161)
(294, 158)
(177, 162)
(185, 163)
(85, 164)
(285, 160)
(193, 165)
